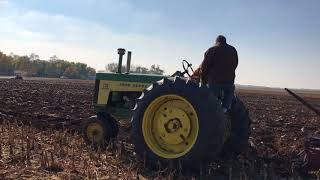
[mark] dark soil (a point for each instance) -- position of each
(277, 119)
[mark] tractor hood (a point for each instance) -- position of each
(142, 78)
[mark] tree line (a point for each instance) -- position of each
(154, 69)
(53, 68)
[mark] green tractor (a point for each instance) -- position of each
(174, 119)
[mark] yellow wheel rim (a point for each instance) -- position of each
(170, 126)
(95, 132)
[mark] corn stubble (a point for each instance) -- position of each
(27, 152)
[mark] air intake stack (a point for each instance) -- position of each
(128, 61)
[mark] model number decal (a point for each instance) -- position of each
(134, 85)
(105, 86)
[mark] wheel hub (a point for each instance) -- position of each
(173, 124)
(95, 132)
(170, 126)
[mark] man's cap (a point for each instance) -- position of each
(221, 39)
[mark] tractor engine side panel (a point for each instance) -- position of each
(103, 89)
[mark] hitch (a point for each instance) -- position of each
(304, 102)
(312, 150)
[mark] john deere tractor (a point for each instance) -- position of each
(175, 119)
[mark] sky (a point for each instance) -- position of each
(278, 42)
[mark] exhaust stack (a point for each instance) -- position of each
(121, 52)
(128, 61)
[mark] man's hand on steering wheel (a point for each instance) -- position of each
(196, 74)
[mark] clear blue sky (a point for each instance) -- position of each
(278, 41)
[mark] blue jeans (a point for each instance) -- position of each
(224, 92)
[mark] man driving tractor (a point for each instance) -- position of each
(170, 125)
(218, 71)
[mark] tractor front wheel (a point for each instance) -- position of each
(98, 130)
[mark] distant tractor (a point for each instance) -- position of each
(18, 77)
(174, 119)
(19, 74)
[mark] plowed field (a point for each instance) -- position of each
(41, 113)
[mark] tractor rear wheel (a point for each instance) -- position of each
(237, 141)
(177, 121)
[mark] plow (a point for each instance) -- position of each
(311, 157)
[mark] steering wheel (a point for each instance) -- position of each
(186, 65)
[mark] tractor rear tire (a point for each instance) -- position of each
(209, 138)
(240, 131)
